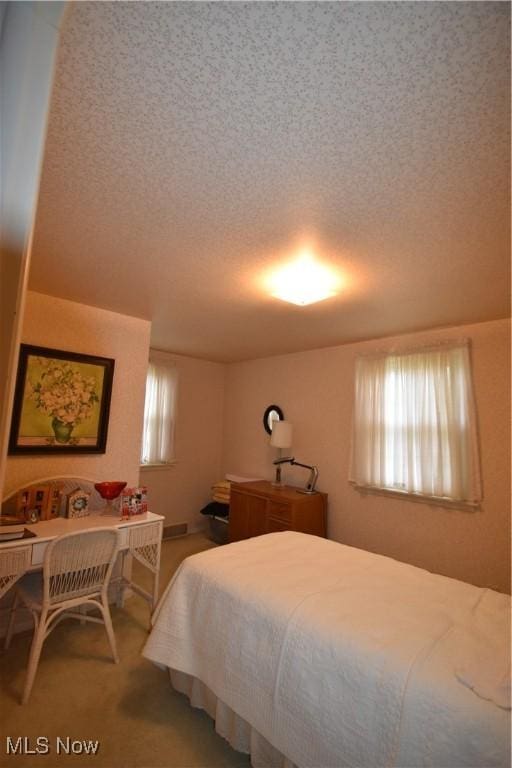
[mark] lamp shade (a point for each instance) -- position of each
(281, 436)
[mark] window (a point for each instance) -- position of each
(159, 412)
(414, 424)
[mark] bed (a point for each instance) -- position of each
(310, 653)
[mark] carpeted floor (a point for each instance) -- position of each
(130, 708)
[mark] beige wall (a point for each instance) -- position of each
(28, 42)
(315, 388)
(225, 403)
(60, 324)
(180, 491)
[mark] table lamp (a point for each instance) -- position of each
(281, 437)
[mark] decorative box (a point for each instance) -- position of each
(134, 501)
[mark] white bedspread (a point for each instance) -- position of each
(338, 657)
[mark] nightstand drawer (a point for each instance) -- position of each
(281, 512)
(273, 526)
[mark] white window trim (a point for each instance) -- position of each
(161, 465)
(433, 501)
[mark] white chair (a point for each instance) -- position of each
(76, 572)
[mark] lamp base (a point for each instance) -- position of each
(277, 482)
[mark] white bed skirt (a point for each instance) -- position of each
(237, 731)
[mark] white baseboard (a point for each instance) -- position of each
(177, 530)
(199, 527)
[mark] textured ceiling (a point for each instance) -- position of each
(193, 146)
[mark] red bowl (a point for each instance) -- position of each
(110, 489)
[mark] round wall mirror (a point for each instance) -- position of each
(272, 413)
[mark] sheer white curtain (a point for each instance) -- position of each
(159, 413)
(414, 424)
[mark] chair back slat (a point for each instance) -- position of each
(79, 563)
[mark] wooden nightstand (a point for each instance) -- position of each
(259, 507)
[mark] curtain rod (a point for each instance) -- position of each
(408, 350)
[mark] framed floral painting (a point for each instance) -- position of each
(61, 402)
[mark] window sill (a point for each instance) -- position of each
(435, 501)
(157, 467)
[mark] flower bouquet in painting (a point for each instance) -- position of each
(65, 395)
(61, 403)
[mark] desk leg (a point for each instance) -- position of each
(125, 573)
(155, 590)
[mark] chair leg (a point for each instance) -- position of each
(35, 653)
(121, 564)
(10, 625)
(105, 610)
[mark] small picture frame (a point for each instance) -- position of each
(33, 499)
(42, 499)
(77, 503)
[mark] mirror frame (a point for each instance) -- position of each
(267, 421)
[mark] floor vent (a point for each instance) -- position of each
(171, 531)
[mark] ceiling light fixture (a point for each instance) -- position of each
(304, 281)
